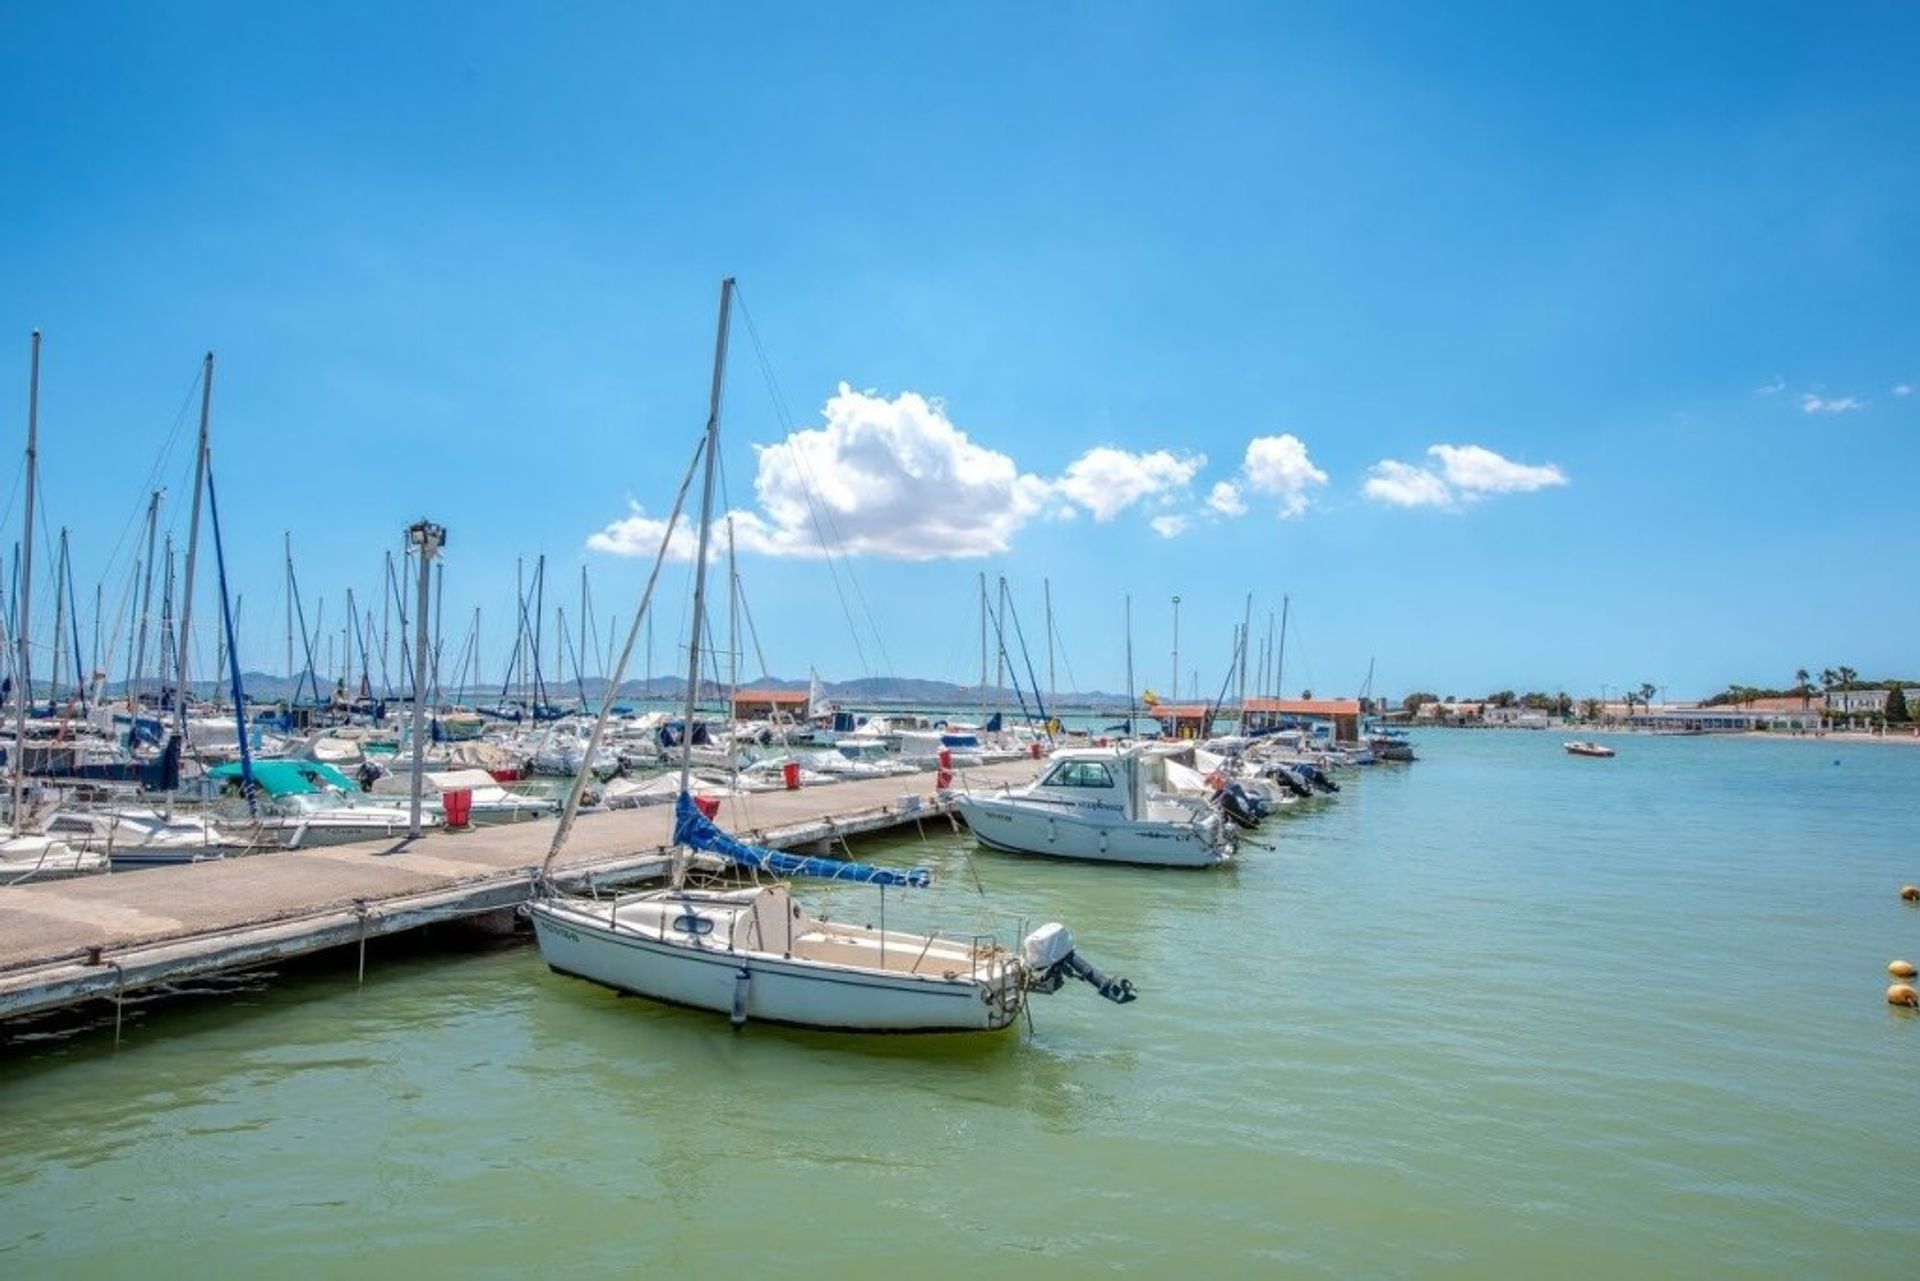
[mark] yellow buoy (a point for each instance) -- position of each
(1901, 969)
(1911, 893)
(1902, 994)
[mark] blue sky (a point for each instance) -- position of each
(463, 262)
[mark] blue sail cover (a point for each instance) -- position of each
(696, 831)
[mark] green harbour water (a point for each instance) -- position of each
(1503, 1012)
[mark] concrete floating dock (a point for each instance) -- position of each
(65, 942)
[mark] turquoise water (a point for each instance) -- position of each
(1503, 1012)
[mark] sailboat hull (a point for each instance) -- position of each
(633, 945)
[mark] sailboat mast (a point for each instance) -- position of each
(1130, 705)
(59, 618)
(983, 638)
(184, 643)
(1246, 630)
(286, 540)
(1000, 653)
(700, 554)
(22, 674)
(1053, 690)
(1280, 660)
(138, 671)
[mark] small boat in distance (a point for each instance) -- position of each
(1586, 747)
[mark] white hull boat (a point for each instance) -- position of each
(756, 955)
(1102, 805)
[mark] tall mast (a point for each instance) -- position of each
(1280, 658)
(439, 617)
(700, 554)
(1053, 690)
(138, 671)
(59, 618)
(519, 620)
(22, 674)
(1129, 666)
(983, 638)
(1246, 629)
(539, 629)
(286, 538)
(185, 640)
(386, 622)
(580, 653)
(1000, 652)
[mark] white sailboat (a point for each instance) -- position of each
(756, 953)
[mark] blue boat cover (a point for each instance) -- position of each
(696, 831)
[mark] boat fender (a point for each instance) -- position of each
(741, 978)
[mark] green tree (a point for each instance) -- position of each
(1803, 687)
(1647, 691)
(1897, 706)
(1591, 708)
(1848, 677)
(1418, 699)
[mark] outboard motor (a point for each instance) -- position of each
(1290, 778)
(1238, 806)
(1318, 777)
(1050, 957)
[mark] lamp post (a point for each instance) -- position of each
(1174, 695)
(426, 539)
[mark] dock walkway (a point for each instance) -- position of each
(62, 942)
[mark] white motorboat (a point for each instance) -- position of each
(140, 837)
(1103, 804)
(488, 803)
(1586, 747)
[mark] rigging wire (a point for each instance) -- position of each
(818, 511)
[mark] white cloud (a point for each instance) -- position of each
(1475, 470)
(638, 534)
(1404, 485)
(1107, 481)
(1279, 465)
(1903, 389)
(1169, 526)
(1464, 474)
(1225, 498)
(1812, 404)
(1772, 388)
(896, 478)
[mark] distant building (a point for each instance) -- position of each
(1724, 720)
(1515, 717)
(769, 704)
(1188, 720)
(1865, 702)
(1272, 713)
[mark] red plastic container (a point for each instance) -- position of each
(790, 775)
(708, 805)
(1034, 749)
(458, 802)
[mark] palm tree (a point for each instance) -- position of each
(1647, 691)
(1828, 678)
(1847, 677)
(1800, 679)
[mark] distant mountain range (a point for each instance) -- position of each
(877, 690)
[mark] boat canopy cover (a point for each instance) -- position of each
(289, 778)
(696, 831)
